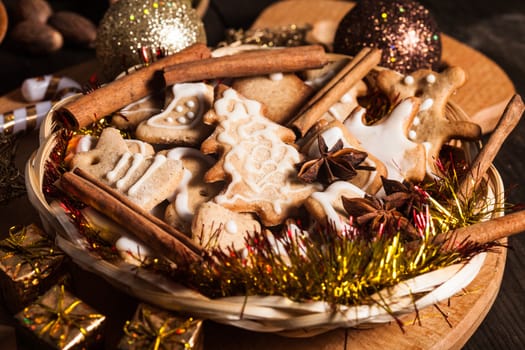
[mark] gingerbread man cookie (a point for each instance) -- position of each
(388, 141)
(146, 180)
(431, 125)
(181, 121)
(256, 158)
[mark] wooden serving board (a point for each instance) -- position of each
(481, 98)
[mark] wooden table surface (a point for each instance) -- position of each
(484, 101)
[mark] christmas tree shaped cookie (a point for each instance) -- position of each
(256, 159)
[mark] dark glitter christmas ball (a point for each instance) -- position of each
(404, 29)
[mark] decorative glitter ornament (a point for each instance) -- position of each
(131, 27)
(404, 30)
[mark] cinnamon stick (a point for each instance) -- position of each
(354, 71)
(508, 121)
(248, 63)
(123, 91)
(488, 231)
(169, 242)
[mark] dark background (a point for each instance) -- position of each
(495, 28)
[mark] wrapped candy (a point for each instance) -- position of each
(29, 265)
(24, 118)
(48, 87)
(44, 91)
(158, 329)
(61, 321)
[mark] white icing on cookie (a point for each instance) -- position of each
(112, 175)
(231, 227)
(181, 195)
(409, 80)
(431, 78)
(139, 107)
(158, 161)
(347, 102)
(388, 140)
(276, 76)
(142, 146)
(137, 160)
(427, 104)
(85, 144)
(333, 193)
(189, 113)
(180, 120)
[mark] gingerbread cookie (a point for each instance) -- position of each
(280, 94)
(217, 227)
(256, 158)
(181, 121)
(348, 102)
(192, 191)
(133, 114)
(431, 125)
(368, 180)
(326, 207)
(146, 180)
(388, 140)
(84, 143)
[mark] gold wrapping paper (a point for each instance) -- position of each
(62, 321)
(29, 263)
(157, 329)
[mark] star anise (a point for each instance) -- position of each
(402, 195)
(379, 215)
(337, 163)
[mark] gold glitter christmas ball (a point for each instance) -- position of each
(404, 30)
(132, 28)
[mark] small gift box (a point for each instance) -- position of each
(158, 329)
(59, 320)
(29, 264)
